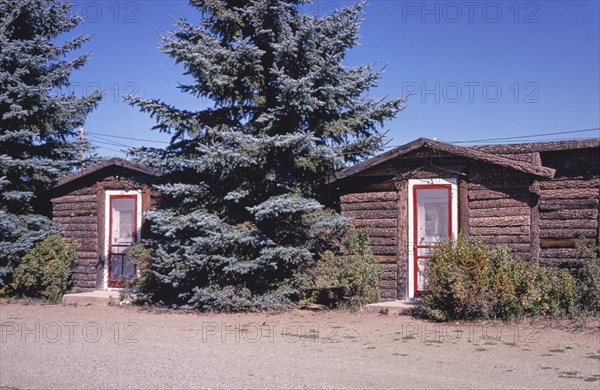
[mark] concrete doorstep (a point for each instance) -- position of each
(394, 307)
(92, 298)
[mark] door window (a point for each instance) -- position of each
(123, 233)
(432, 222)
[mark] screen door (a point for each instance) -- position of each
(122, 234)
(432, 212)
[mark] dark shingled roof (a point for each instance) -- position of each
(468, 152)
(115, 161)
(540, 146)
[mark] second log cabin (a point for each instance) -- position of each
(540, 199)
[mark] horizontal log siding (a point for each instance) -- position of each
(76, 212)
(569, 205)
(377, 211)
(499, 208)
(568, 211)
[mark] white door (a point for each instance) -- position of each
(432, 217)
(123, 232)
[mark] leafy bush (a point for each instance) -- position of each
(470, 280)
(18, 235)
(141, 256)
(353, 274)
(588, 279)
(45, 271)
(143, 281)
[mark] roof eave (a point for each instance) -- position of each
(522, 166)
(115, 161)
(528, 168)
(376, 160)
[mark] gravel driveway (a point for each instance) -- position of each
(55, 346)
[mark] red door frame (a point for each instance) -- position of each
(416, 246)
(117, 283)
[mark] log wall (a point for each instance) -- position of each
(499, 208)
(77, 212)
(569, 205)
(378, 211)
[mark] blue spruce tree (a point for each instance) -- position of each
(243, 212)
(38, 116)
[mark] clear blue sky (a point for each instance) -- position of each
(474, 69)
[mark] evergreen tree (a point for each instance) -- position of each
(243, 210)
(37, 119)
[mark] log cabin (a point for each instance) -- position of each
(540, 199)
(102, 209)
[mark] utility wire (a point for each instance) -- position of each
(525, 136)
(110, 143)
(112, 150)
(102, 139)
(129, 138)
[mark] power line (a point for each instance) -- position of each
(533, 140)
(129, 138)
(519, 139)
(111, 143)
(107, 140)
(101, 138)
(524, 136)
(112, 150)
(390, 146)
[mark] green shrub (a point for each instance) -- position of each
(470, 280)
(45, 271)
(143, 281)
(588, 278)
(353, 276)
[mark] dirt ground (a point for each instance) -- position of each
(60, 347)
